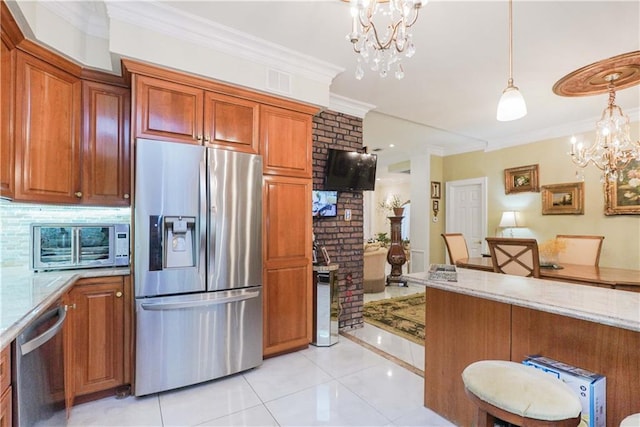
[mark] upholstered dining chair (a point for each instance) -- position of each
(582, 250)
(456, 246)
(514, 256)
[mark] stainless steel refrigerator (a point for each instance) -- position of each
(197, 264)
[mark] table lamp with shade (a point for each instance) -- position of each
(510, 220)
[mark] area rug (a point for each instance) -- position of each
(402, 316)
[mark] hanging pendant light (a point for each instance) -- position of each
(511, 105)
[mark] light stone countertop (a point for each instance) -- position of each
(600, 305)
(25, 294)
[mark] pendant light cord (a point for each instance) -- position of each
(510, 82)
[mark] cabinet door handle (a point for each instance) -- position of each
(126, 196)
(78, 194)
(200, 138)
(118, 294)
(207, 139)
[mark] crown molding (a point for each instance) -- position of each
(164, 19)
(342, 104)
(84, 16)
(563, 130)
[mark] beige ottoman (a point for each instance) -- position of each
(520, 395)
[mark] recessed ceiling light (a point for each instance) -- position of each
(391, 145)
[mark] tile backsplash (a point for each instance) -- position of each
(15, 219)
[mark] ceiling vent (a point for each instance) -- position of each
(278, 81)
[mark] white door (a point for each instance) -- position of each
(467, 212)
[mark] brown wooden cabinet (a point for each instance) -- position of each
(7, 94)
(98, 335)
(6, 417)
(11, 35)
(63, 140)
(105, 144)
(47, 132)
(286, 142)
(167, 111)
(171, 111)
(231, 123)
(178, 107)
(287, 267)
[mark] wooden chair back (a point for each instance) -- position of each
(456, 246)
(514, 256)
(582, 250)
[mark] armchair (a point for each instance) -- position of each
(374, 275)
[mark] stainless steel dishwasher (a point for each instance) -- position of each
(39, 393)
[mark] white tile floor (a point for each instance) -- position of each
(342, 385)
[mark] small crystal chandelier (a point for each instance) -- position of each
(613, 148)
(380, 35)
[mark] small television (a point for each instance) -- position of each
(324, 203)
(350, 171)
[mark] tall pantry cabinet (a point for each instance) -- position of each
(178, 107)
(285, 141)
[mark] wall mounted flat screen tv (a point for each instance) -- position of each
(350, 171)
(324, 203)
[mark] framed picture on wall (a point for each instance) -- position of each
(325, 256)
(520, 179)
(563, 199)
(435, 189)
(622, 197)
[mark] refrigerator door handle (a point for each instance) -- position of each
(159, 306)
(203, 222)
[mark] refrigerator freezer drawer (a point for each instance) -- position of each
(187, 339)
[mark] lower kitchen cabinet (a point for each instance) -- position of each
(5, 388)
(97, 334)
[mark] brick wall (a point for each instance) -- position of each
(342, 239)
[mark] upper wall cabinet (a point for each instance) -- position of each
(168, 111)
(231, 122)
(105, 144)
(285, 142)
(47, 132)
(176, 112)
(7, 94)
(64, 130)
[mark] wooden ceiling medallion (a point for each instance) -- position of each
(595, 78)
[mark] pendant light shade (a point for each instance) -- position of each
(511, 105)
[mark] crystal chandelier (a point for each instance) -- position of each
(380, 34)
(613, 148)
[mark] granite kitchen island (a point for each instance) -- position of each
(486, 315)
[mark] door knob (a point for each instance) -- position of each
(118, 294)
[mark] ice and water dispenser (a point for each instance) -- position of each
(179, 236)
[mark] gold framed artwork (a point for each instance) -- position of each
(521, 179)
(563, 199)
(622, 197)
(435, 189)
